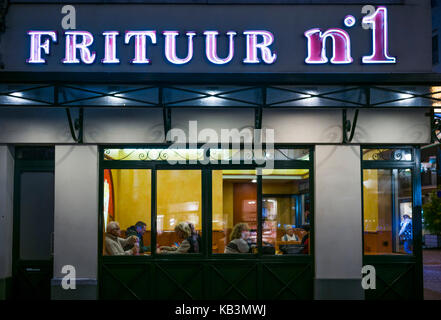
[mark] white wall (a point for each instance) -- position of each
(28, 125)
(214, 119)
(305, 126)
(76, 210)
(111, 125)
(338, 222)
(392, 126)
(6, 210)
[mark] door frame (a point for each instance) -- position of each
(391, 261)
(21, 166)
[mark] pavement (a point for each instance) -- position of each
(432, 274)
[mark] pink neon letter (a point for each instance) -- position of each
(36, 45)
(267, 56)
(72, 46)
(140, 44)
(170, 47)
(379, 38)
(211, 47)
(110, 47)
(317, 46)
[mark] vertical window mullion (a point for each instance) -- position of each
(259, 213)
(153, 212)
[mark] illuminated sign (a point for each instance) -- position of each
(259, 45)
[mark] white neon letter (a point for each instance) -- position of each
(141, 44)
(211, 47)
(317, 46)
(110, 47)
(72, 46)
(36, 45)
(267, 56)
(379, 38)
(170, 47)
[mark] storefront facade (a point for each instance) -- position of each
(329, 111)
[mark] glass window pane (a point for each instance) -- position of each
(387, 201)
(154, 154)
(127, 212)
(234, 211)
(387, 154)
(179, 211)
(286, 211)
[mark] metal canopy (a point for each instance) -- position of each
(219, 96)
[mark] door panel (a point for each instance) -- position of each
(34, 224)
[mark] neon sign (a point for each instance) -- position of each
(260, 45)
(379, 38)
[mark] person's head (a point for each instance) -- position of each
(306, 227)
(113, 228)
(140, 227)
(240, 230)
(183, 230)
(289, 230)
(192, 229)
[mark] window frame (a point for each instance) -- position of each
(414, 165)
(206, 175)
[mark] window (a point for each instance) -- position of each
(127, 211)
(234, 206)
(156, 205)
(179, 211)
(286, 211)
(387, 211)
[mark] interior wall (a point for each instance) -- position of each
(132, 196)
(179, 197)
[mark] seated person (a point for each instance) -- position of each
(239, 236)
(184, 234)
(114, 244)
(305, 239)
(137, 230)
(289, 234)
(196, 238)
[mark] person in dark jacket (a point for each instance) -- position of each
(138, 230)
(305, 239)
(195, 239)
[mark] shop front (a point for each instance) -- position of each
(253, 151)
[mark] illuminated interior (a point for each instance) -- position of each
(387, 198)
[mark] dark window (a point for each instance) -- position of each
(435, 49)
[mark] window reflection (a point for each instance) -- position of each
(387, 199)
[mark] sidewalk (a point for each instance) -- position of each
(432, 274)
